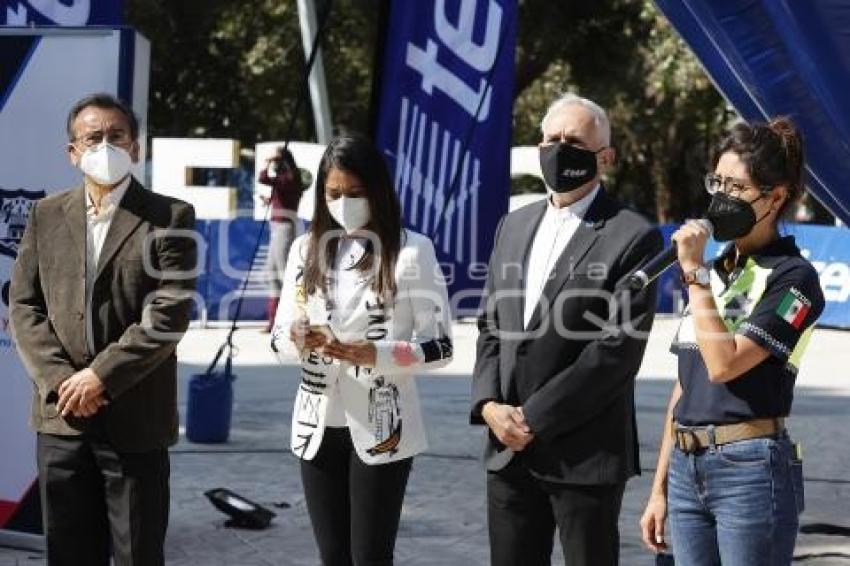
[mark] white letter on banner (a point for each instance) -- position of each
(435, 75)
(459, 38)
(77, 14)
(16, 16)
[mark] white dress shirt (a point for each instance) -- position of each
(97, 227)
(346, 280)
(553, 234)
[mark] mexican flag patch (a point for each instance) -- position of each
(794, 308)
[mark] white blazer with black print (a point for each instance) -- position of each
(379, 405)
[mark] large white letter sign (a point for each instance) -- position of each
(174, 157)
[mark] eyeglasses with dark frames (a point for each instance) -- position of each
(115, 137)
(730, 185)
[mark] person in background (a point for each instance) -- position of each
(728, 474)
(364, 301)
(282, 175)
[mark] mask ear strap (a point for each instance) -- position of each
(766, 214)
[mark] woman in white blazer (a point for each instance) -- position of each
(364, 305)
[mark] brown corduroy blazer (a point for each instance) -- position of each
(141, 305)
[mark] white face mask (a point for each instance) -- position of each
(106, 164)
(352, 213)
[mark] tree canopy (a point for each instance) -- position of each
(229, 68)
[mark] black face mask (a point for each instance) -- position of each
(566, 167)
(732, 217)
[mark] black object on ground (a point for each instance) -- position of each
(243, 513)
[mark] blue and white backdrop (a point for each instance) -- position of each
(445, 126)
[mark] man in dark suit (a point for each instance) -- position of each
(559, 346)
(100, 295)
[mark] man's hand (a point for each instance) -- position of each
(91, 408)
(652, 523)
(508, 424)
(81, 394)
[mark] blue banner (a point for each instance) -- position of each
(771, 57)
(231, 243)
(445, 126)
(61, 12)
(827, 247)
(670, 290)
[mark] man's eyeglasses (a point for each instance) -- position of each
(730, 185)
(115, 137)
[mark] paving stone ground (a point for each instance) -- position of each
(443, 520)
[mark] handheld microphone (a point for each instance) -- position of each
(641, 278)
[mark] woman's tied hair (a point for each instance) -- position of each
(772, 153)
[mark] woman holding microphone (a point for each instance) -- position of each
(727, 474)
(364, 302)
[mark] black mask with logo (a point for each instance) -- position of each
(566, 167)
(732, 217)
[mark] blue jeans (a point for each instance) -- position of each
(735, 504)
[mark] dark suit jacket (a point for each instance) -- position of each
(577, 388)
(141, 305)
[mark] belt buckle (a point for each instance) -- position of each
(683, 435)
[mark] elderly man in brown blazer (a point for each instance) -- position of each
(101, 293)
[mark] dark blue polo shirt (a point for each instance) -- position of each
(772, 297)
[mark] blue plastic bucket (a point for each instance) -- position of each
(210, 405)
